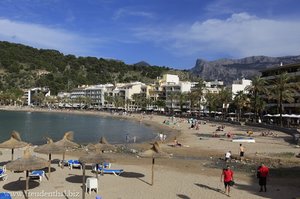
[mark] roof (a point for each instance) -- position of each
(296, 65)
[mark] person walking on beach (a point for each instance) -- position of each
(242, 152)
(227, 177)
(227, 156)
(262, 174)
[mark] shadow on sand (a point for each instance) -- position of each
(20, 185)
(210, 188)
(183, 196)
(132, 175)
(76, 178)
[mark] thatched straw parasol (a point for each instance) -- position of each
(49, 148)
(102, 146)
(67, 143)
(27, 163)
(14, 142)
(154, 152)
(92, 158)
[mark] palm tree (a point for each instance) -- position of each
(127, 103)
(225, 97)
(118, 101)
(183, 100)
(198, 91)
(139, 100)
(257, 89)
(192, 97)
(171, 97)
(211, 101)
(109, 99)
(160, 104)
(38, 98)
(241, 101)
(282, 91)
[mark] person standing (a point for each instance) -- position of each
(228, 156)
(227, 176)
(242, 152)
(262, 174)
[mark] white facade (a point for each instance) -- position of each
(28, 94)
(240, 85)
(170, 79)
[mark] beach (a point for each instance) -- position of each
(192, 171)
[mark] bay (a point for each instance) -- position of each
(34, 127)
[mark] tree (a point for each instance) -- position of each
(240, 100)
(172, 97)
(225, 97)
(282, 90)
(198, 92)
(183, 97)
(139, 100)
(109, 99)
(160, 104)
(257, 89)
(38, 98)
(211, 101)
(192, 97)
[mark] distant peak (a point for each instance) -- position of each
(142, 63)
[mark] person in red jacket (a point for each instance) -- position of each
(227, 176)
(262, 174)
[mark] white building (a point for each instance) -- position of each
(240, 85)
(29, 94)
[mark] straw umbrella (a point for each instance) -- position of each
(92, 158)
(102, 146)
(14, 142)
(154, 152)
(27, 163)
(49, 148)
(67, 143)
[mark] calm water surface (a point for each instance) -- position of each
(35, 126)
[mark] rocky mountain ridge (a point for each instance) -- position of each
(228, 70)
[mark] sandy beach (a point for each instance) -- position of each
(192, 172)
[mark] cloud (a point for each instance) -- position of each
(239, 35)
(41, 36)
(123, 12)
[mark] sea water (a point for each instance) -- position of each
(34, 127)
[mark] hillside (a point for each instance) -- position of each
(232, 69)
(24, 67)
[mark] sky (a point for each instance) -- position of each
(172, 33)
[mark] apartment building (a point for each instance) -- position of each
(293, 71)
(239, 85)
(31, 95)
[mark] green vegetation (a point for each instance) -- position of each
(25, 67)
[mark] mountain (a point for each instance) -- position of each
(26, 67)
(232, 69)
(142, 63)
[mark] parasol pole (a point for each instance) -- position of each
(83, 181)
(152, 175)
(49, 167)
(27, 184)
(12, 154)
(63, 162)
(97, 170)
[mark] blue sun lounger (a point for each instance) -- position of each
(116, 172)
(3, 174)
(37, 174)
(5, 195)
(74, 163)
